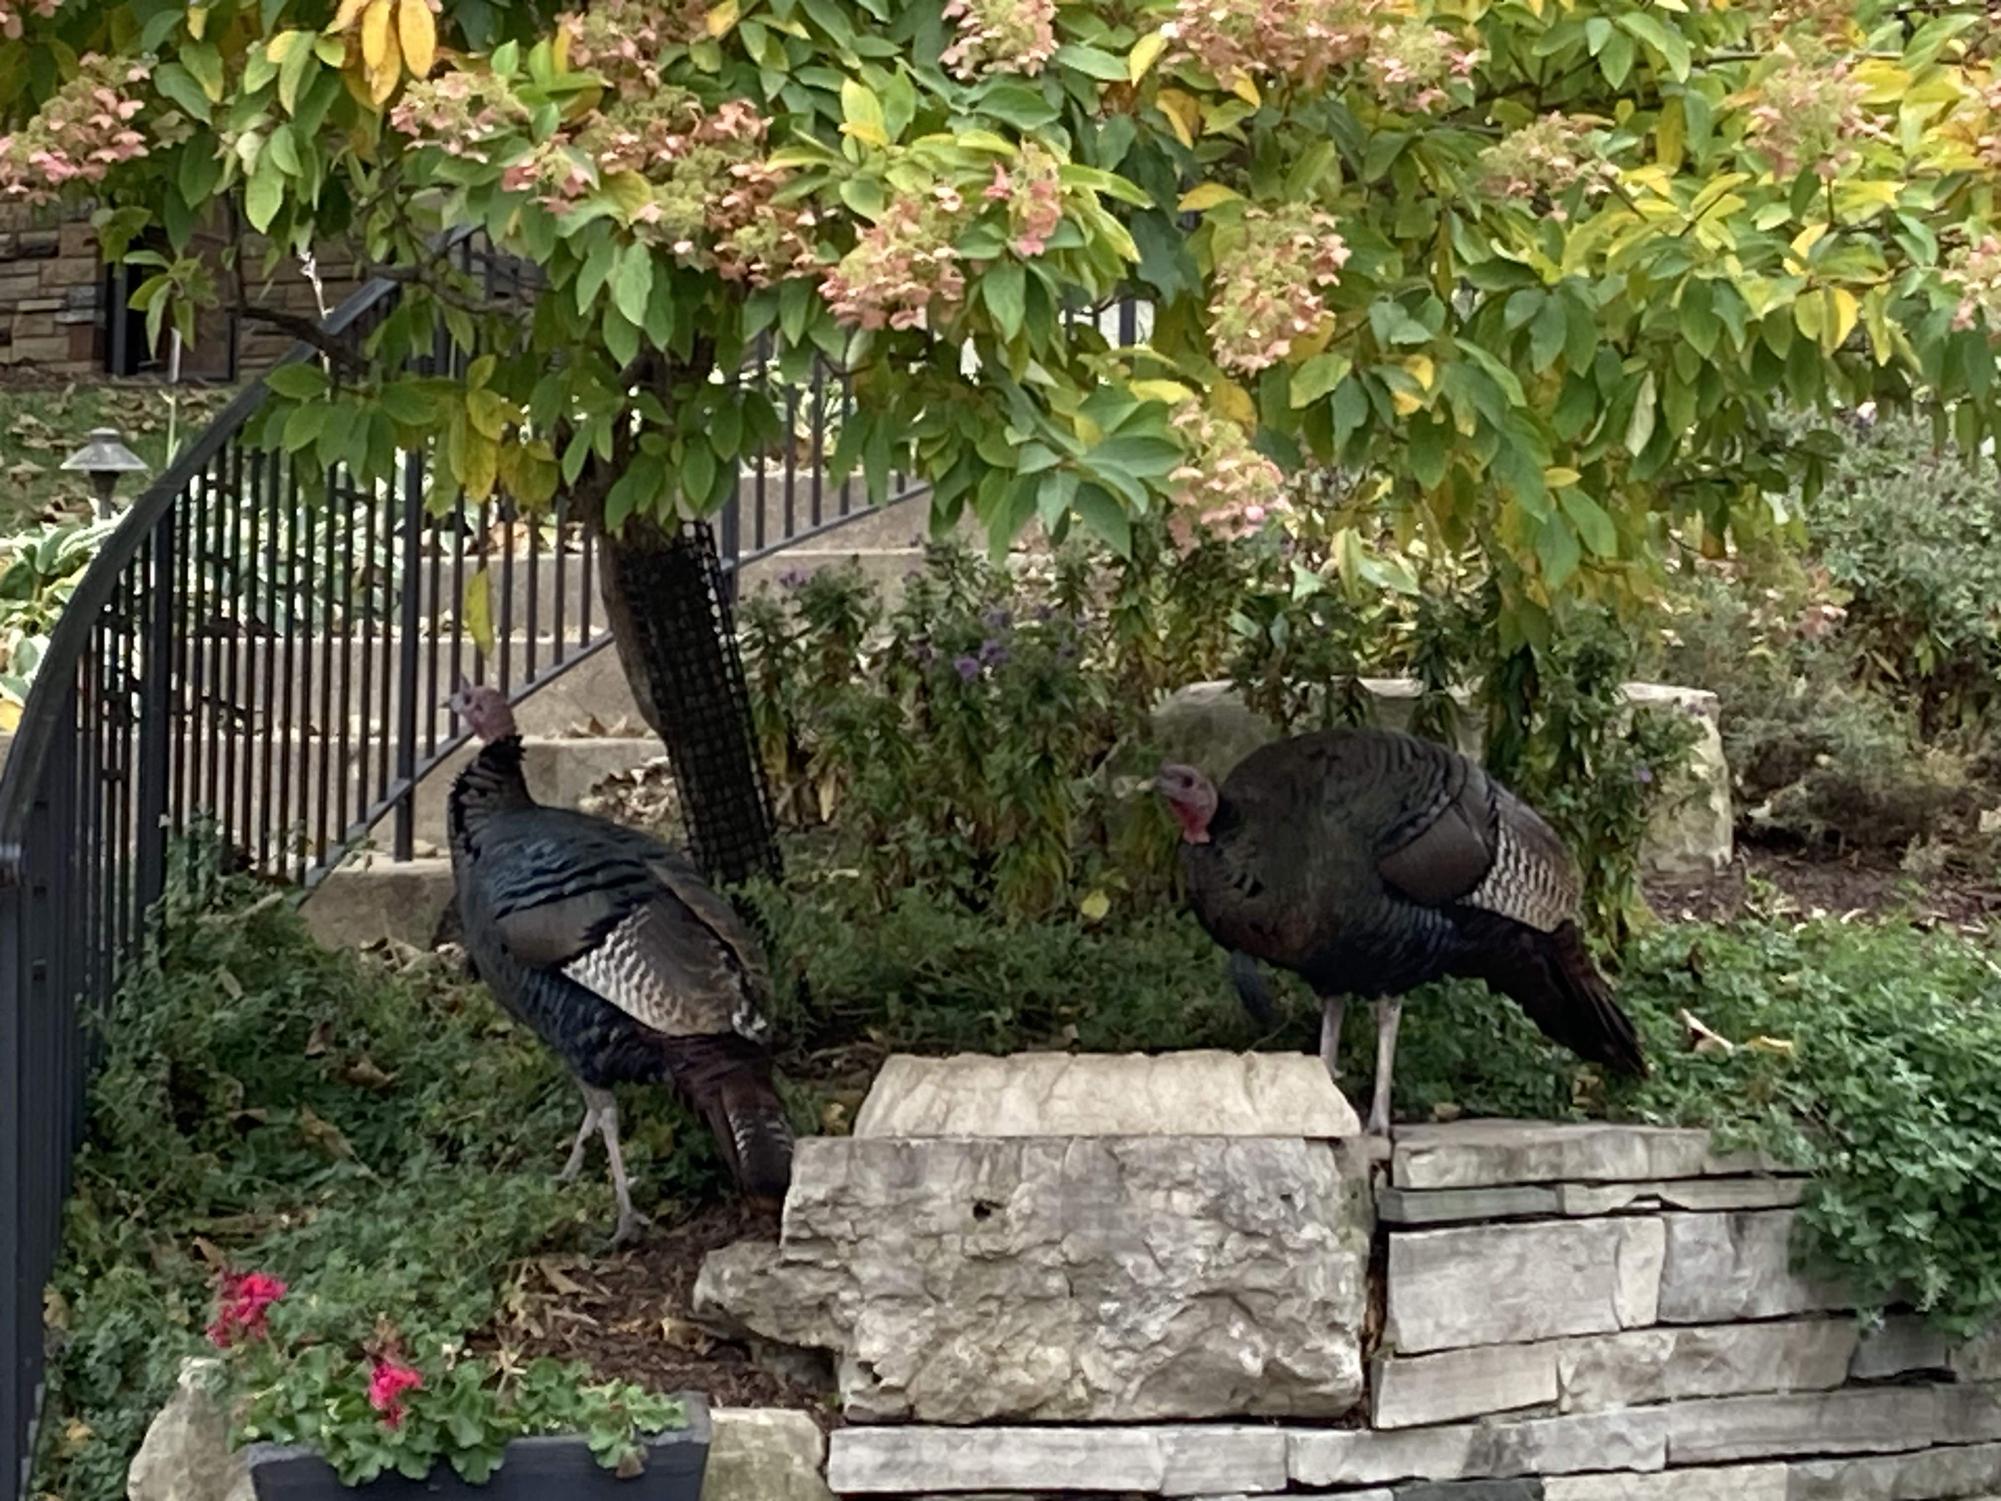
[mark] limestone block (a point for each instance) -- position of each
(1694, 825)
(1498, 1449)
(1736, 1483)
(1399, 1206)
(1685, 1193)
(1471, 1490)
(1724, 1267)
(764, 1454)
(1485, 1153)
(1901, 1344)
(1502, 1284)
(1667, 1365)
(872, 1461)
(1979, 1359)
(1196, 1093)
(1969, 1471)
(1208, 725)
(1106, 1280)
(185, 1455)
(1968, 1414)
(1195, 1460)
(1860, 1420)
(1410, 1390)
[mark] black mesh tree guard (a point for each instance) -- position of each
(670, 604)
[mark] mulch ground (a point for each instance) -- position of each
(1779, 883)
(629, 1316)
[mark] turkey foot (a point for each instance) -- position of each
(601, 1115)
(1388, 1014)
(589, 1128)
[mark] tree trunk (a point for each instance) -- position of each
(670, 610)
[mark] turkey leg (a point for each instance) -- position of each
(584, 1133)
(1388, 1014)
(1332, 1010)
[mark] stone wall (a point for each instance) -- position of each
(52, 296)
(1566, 1312)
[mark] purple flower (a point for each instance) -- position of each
(1045, 613)
(792, 578)
(1644, 775)
(924, 652)
(992, 652)
(996, 619)
(968, 668)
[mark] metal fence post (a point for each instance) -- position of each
(156, 717)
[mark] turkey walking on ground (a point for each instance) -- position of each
(1369, 862)
(610, 947)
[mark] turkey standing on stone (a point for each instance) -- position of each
(1370, 862)
(611, 948)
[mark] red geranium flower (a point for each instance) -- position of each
(242, 1304)
(386, 1388)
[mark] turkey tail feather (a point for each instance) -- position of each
(1551, 976)
(728, 1080)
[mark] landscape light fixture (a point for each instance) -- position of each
(104, 457)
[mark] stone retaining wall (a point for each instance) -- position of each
(1570, 1312)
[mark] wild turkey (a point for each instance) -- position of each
(610, 947)
(1369, 862)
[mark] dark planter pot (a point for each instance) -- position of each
(536, 1469)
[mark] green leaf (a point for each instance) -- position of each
(1557, 550)
(1640, 426)
(264, 196)
(177, 84)
(1548, 334)
(1591, 521)
(698, 471)
(1004, 289)
(635, 490)
(300, 380)
(632, 283)
(1092, 63)
(1318, 376)
(1670, 44)
(1105, 517)
(861, 114)
(476, 611)
(596, 271)
(283, 150)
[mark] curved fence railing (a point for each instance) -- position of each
(269, 656)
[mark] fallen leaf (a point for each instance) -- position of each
(1702, 1038)
(320, 1039)
(1095, 907)
(1784, 1047)
(1446, 1110)
(364, 1073)
(559, 1281)
(323, 1134)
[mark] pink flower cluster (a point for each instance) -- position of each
(242, 1308)
(1228, 488)
(1033, 193)
(1827, 22)
(1546, 158)
(1000, 36)
(621, 40)
(82, 132)
(1974, 271)
(386, 1386)
(1268, 285)
(1298, 40)
(1412, 65)
(903, 271)
(461, 112)
(1809, 113)
(10, 15)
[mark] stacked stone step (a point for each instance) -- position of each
(1571, 1312)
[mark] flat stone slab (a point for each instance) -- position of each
(1450, 1206)
(1197, 1093)
(1497, 1153)
(1507, 1284)
(1499, 1450)
(1169, 1460)
(1735, 1483)
(1856, 1420)
(1723, 1267)
(1092, 1280)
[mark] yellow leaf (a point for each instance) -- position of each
(280, 46)
(1247, 90)
(1146, 52)
(1806, 239)
(721, 18)
(1170, 391)
(1421, 367)
(1879, 326)
(1809, 316)
(10, 715)
(1843, 310)
(1234, 402)
(1095, 907)
(476, 610)
(1183, 111)
(1206, 196)
(349, 12)
(562, 49)
(1560, 478)
(480, 459)
(418, 32)
(1405, 403)
(375, 36)
(197, 21)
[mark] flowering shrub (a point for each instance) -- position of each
(1230, 488)
(903, 271)
(1271, 271)
(1810, 111)
(83, 132)
(1008, 36)
(1301, 43)
(372, 1410)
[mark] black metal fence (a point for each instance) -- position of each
(270, 655)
